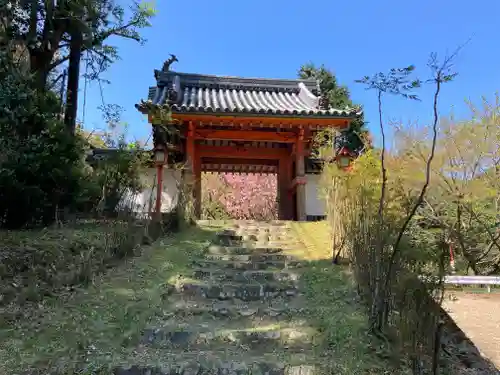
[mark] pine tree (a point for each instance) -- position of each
(337, 96)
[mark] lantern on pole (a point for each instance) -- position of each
(160, 155)
(161, 158)
(344, 159)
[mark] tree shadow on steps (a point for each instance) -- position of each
(245, 315)
(241, 319)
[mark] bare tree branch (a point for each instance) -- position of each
(119, 31)
(442, 74)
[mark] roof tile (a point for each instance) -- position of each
(215, 94)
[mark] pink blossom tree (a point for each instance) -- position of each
(241, 196)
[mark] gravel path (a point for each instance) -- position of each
(478, 315)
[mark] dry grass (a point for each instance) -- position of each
(336, 309)
(343, 320)
(97, 327)
(35, 264)
(92, 327)
(316, 236)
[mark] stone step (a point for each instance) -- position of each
(241, 250)
(258, 225)
(246, 237)
(242, 292)
(245, 276)
(210, 364)
(260, 229)
(252, 234)
(260, 222)
(246, 265)
(215, 223)
(249, 257)
(237, 315)
(255, 237)
(282, 245)
(254, 311)
(205, 337)
(284, 231)
(218, 315)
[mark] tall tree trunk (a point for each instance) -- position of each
(53, 29)
(39, 64)
(75, 55)
(62, 91)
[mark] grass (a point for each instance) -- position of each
(91, 328)
(39, 263)
(98, 327)
(316, 237)
(336, 310)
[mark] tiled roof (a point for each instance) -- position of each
(215, 94)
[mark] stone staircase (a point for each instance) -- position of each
(239, 311)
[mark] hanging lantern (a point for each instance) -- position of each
(344, 159)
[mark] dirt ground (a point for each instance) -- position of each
(478, 315)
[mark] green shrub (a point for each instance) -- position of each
(41, 164)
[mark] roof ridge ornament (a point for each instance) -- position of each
(166, 66)
(323, 102)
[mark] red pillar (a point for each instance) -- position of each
(197, 185)
(193, 170)
(300, 177)
(190, 145)
(284, 181)
(159, 190)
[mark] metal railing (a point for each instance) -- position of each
(468, 280)
(473, 280)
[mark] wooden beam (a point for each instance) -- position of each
(245, 135)
(206, 151)
(236, 161)
(279, 122)
(237, 169)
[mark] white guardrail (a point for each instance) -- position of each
(470, 280)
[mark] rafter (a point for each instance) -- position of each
(248, 135)
(236, 161)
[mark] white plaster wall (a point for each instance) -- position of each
(144, 201)
(315, 205)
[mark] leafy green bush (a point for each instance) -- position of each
(115, 176)
(41, 164)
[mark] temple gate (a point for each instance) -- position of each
(247, 125)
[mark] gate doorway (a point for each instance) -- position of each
(239, 195)
(250, 122)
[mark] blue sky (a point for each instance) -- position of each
(272, 38)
